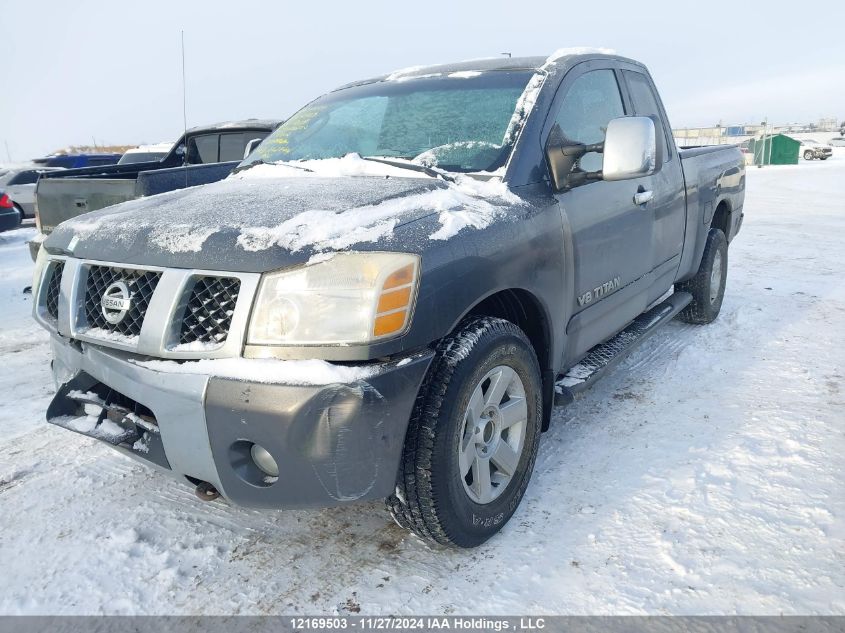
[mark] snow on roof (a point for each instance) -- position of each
(464, 74)
(577, 50)
(156, 147)
(462, 68)
(261, 124)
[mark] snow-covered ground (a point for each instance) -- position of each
(704, 475)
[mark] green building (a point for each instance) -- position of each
(777, 149)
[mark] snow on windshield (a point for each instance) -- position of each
(466, 117)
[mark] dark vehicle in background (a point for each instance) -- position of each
(10, 217)
(76, 161)
(506, 231)
(202, 155)
(20, 187)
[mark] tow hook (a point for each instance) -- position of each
(206, 492)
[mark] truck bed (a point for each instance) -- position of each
(710, 172)
(60, 199)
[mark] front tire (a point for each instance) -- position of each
(707, 287)
(808, 155)
(473, 436)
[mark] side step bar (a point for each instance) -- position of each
(605, 356)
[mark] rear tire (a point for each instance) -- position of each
(478, 411)
(707, 287)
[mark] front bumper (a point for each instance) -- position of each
(333, 443)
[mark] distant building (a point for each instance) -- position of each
(827, 125)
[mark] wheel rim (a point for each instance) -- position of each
(493, 434)
(716, 277)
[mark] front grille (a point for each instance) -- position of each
(208, 313)
(141, 285)
(54, 285)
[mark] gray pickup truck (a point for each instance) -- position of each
(204, 154)
(388, 297)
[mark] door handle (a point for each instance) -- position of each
(642, 197)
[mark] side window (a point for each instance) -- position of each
(589, 105)
(24, 178)
(232, 146)
(645, 104)
(203, 149)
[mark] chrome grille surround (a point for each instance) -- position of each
(208, 312)
(141, 285)
(54, 281)
(157, 328)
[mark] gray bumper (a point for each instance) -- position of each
(333, 444)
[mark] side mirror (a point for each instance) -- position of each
(630, 148)
(251, 145)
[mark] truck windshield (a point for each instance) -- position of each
(464, 122)
(140, 157)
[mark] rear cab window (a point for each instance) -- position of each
(233, 146)
(220, 147)
(645, 104)
(28, 177)
(591, 102)
(203, 149)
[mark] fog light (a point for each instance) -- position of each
(264, 460)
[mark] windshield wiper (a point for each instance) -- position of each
(434, 173)
(241, 168)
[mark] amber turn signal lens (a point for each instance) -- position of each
(394, 300)
(389, 323)
(401, 277)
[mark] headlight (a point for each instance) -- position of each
(350, 298)
(38, 273)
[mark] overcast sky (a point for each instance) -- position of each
(112, 70)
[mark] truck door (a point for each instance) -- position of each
(611, 235)
(667, 209)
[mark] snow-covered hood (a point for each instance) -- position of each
(260, 224)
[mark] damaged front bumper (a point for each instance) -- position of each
(333, 443)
